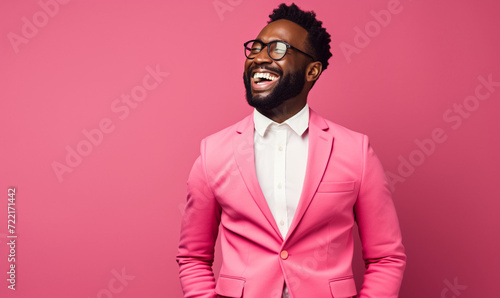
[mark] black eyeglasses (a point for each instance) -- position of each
(275, 49)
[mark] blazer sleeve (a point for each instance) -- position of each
(199, 231)
(380, 235)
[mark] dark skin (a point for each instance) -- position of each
(293, 61)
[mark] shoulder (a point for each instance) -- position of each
(225, 135)
(339, 133)
(219, 145)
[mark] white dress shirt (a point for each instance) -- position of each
(280, 162)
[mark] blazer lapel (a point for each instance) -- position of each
(320, 149)
(243, 148)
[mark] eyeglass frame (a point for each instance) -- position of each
(288, 46)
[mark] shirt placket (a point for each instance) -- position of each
(280, 180)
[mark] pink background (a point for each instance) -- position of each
(119, 209)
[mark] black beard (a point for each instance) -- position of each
(288, 87)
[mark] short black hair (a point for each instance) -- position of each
(317, 37)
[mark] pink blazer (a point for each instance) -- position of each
(344, 184)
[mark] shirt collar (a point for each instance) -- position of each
(298, 122)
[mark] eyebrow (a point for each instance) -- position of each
(272, 40)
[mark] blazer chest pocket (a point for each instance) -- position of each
(228, 286)
(335, 186)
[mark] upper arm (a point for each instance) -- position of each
(199, 231)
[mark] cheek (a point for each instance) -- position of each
(295, 67)
(247, 64)
(285, 67)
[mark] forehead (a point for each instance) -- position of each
(284, 30)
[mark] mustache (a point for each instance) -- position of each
(264, 67)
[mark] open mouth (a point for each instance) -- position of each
(263, 80)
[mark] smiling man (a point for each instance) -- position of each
(286, 186)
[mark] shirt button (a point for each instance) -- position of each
(280, 148)
(279, 186)
(284, 254)
(282, 223)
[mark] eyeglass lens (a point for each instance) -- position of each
(277, 49)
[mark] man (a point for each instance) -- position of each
(286, 187)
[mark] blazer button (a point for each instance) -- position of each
(284, 254)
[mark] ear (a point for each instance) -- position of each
(313, 71)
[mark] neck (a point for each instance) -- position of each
(284, 111)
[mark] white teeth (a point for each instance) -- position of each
(264, 75)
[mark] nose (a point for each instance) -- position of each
(263, 57)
